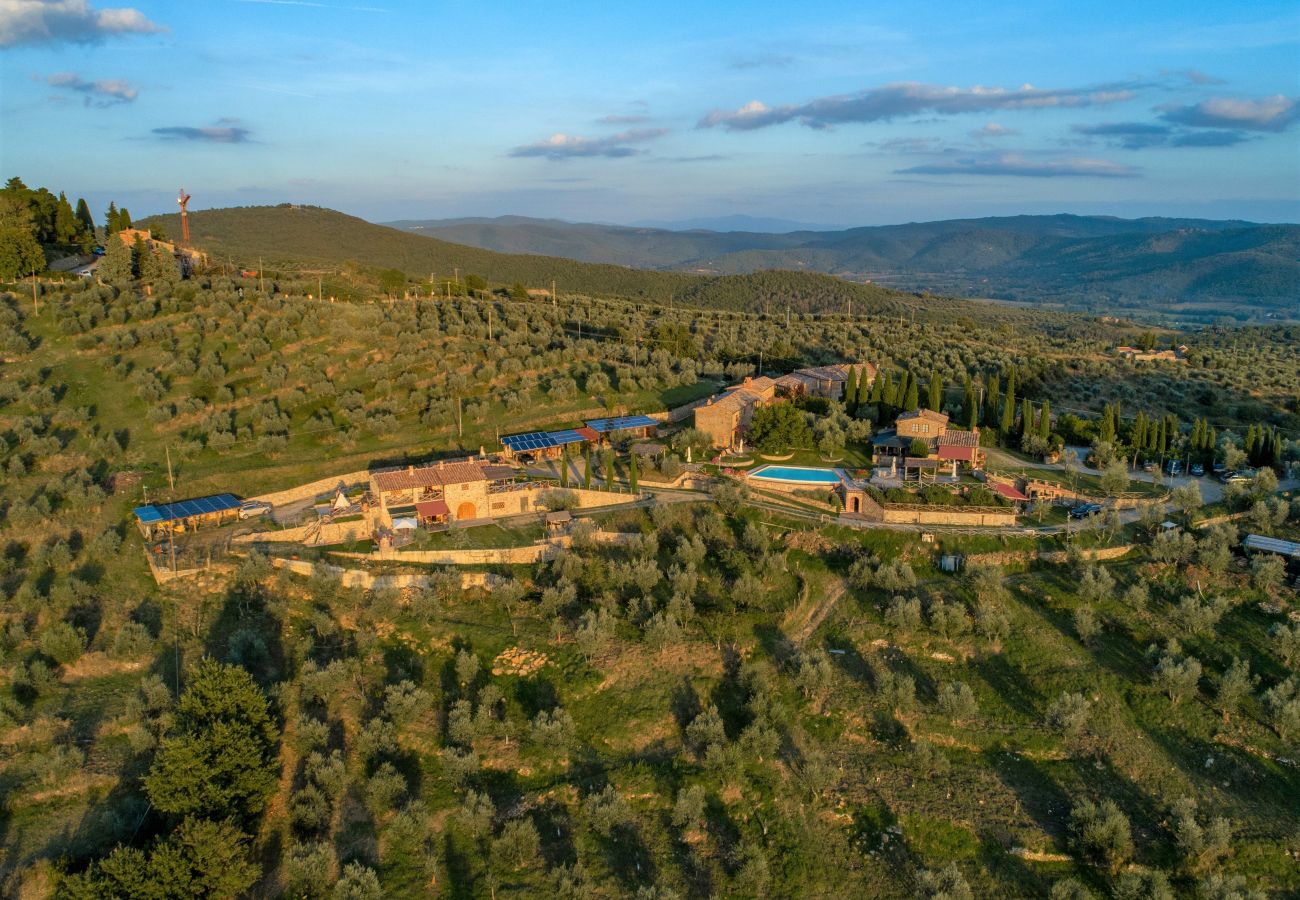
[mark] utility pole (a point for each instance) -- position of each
(320, 287)
(36, 304)
(170, 480)
(261, 276)
(489, 324)
(553, 298)
(460, 422)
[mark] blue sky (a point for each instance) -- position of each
(840, 114)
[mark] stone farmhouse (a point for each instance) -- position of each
(947, 447)
(447, 492)
(725, 417)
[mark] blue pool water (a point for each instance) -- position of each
(797, 473)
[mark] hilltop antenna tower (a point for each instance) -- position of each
(183, 200)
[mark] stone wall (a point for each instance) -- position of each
(981, 516)
(330, 533)
(355, 578)
(490, 556)
(314, 489)
(1098, 553)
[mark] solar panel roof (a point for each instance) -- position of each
(568, 436)
(621, 422)
(184, 509)
(533, 440)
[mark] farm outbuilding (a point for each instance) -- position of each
(186, 515)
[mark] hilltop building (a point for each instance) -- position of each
(945, 446)
(725, 417)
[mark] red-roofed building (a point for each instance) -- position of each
(947, 445)
(1009, 492)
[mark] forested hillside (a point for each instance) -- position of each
(1184, 267)
(301, 238)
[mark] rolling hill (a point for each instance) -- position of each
(1182, 266)
(306, 237)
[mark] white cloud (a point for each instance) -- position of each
(67, 21)
(101, 92)
(568, 146)
(1275, 113)
(893, 101)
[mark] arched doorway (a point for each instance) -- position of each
(466, 511)
(855, 505)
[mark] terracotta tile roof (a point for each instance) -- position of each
(959, 439)
(963, 454)
(927, 414)
(499, 473)
(1008, 491)
(588, 434)
(432, 508)
(436, 475)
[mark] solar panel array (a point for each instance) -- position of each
(618, 424)
(541, 440)
(533, 440)
(568, 436)
(184, 509)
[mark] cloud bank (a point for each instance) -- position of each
(1014, 164)
(221, 133)
(893, 101)
(569, 146)
(1141, 135)
(1276, 113)
(35, 22)
(99, 93)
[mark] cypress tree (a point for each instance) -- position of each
(84, 216)
(1045, 420)
(992, 401)
(1026, 417)
(631, 471)
(935, 399)
(851, 390)
(970, 414)
(586, 469)
(124, 218)
(564, 466)
(912, 401)
(877, 388)
(1106, 433)
(112, 220)
(867, 393)
(1139, 434)
(888, 394)
(1008, 410)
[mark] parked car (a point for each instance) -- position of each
(1149, 466)
(1084, 510)
(1231, 476)
(1198, 469)
(251, 509)
(1220, 467)
(1174, 467)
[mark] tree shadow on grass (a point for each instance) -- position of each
(1043, 799)
(1011, 685)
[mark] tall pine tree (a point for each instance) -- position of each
(851, 390)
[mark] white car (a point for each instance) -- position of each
(251, 509)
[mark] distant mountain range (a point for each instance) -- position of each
(1184, 267)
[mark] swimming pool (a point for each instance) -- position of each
(798, 474)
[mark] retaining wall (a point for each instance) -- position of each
(366, 581)
(490, 556)
(946, 516)
(330, 533)
(314, 489)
